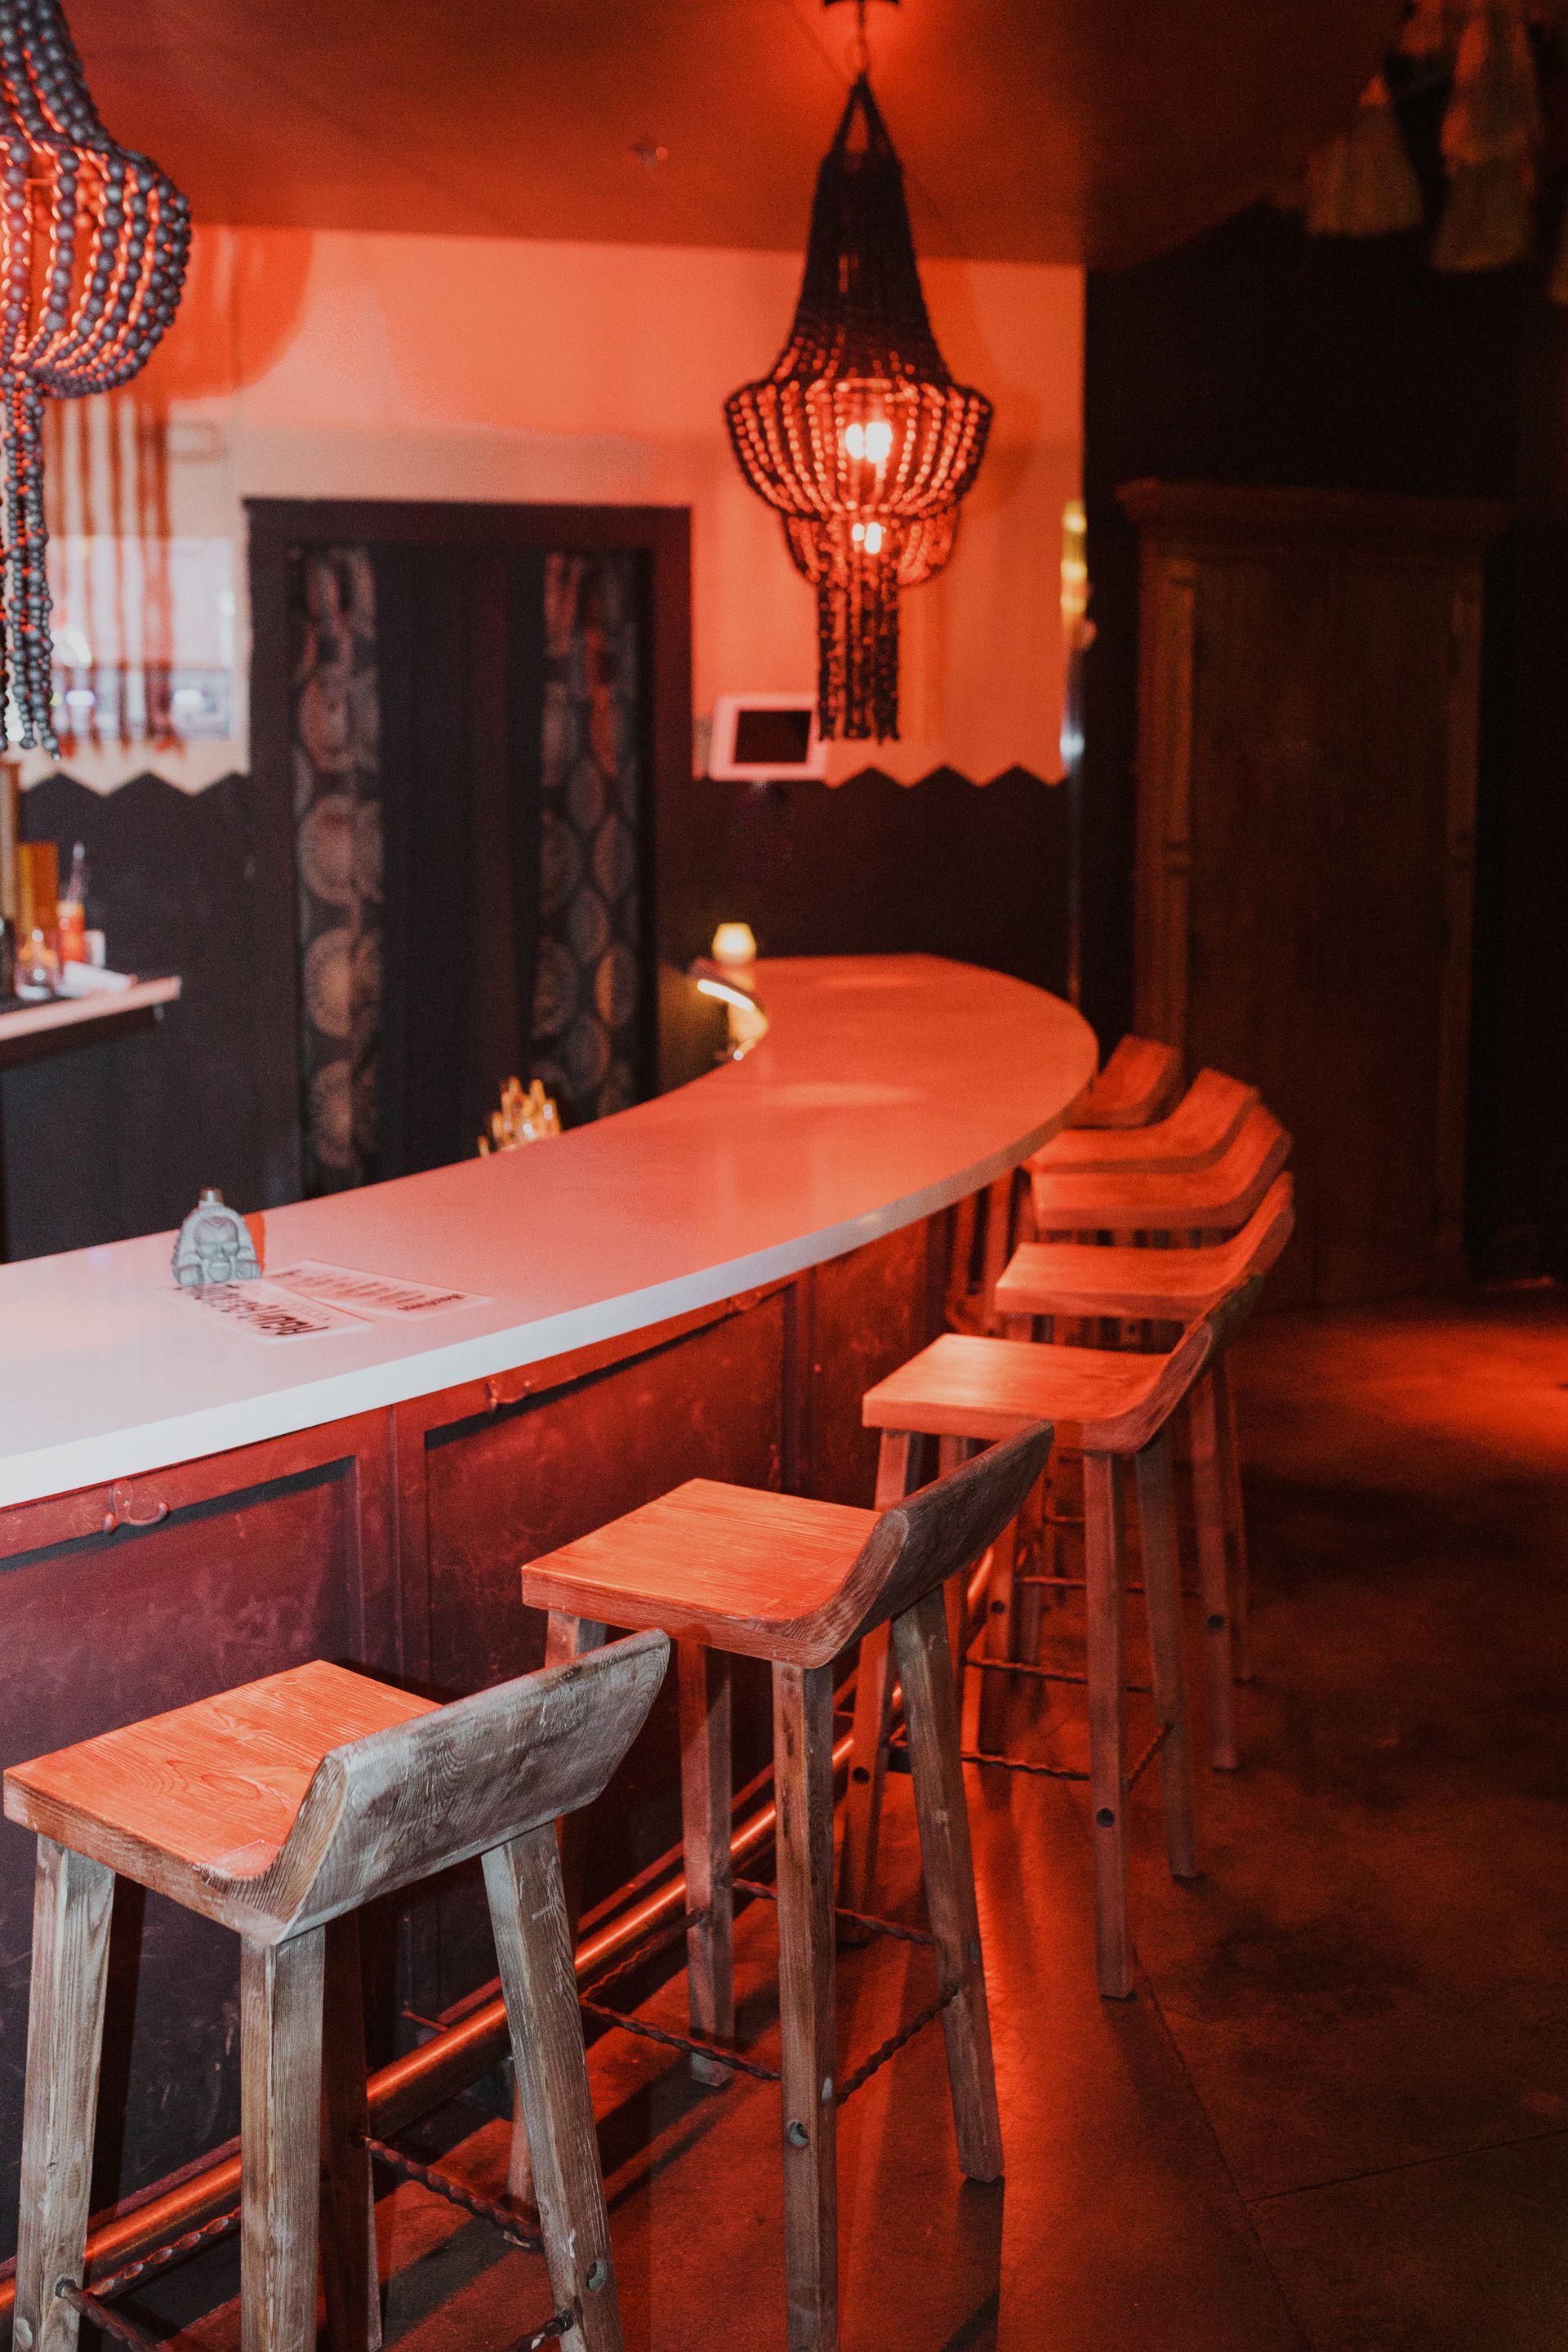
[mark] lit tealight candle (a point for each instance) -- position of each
(735, 948)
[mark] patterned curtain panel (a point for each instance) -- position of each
(587, 1010)
(337, 820)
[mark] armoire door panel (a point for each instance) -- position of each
(1319, 809)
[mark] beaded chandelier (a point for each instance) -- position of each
(859, 435)
(93, 240)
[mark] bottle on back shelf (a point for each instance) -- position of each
(73, 910)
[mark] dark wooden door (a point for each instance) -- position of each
(1310, 668)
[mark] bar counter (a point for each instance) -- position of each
(702, 1284)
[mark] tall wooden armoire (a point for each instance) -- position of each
(1309, 680)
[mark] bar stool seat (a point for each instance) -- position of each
(965, 1386)
(278, 1810)
(732, 1570)
(1206, 1121)
(208, 1795)
(1215, 1199)
(736, 1567)
(1167, 1285)
(971, 1391)
(1134, 1086)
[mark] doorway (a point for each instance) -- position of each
(461, 719)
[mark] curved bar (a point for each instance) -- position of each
(886, 1088)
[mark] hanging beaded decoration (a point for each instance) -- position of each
(859, 435)
(94, 243)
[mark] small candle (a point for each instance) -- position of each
(735, 948)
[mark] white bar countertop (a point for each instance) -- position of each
(70, 1011)
(886, 1088)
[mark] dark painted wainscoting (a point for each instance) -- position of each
(110, 1140)
(945, 866)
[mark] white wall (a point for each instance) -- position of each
(360, 366)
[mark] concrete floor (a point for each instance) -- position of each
(1335, 2113)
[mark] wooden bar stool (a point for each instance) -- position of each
(278, 1810)
(1206, 1119)
(1052, 1279)
(1191, 1204)
(978, 1390)
(1134, 1087)
(735, 1571)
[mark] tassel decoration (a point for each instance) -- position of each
(1492, 135)
(1363, 183)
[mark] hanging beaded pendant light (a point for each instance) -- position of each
(93, 240)
(858, 434)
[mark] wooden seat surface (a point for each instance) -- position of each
(736, 1567)
(1134, 1086)
(1206, 1121)
(217, 1785)
(1219, 1198)
(988, 1388)
(1167, 1285)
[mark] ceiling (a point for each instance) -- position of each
(1100, 130)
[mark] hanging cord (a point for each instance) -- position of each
(860, 49)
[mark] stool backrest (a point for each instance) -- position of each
(1134, 1086)
(929, 1536)
(1256, 1247)
(1203, 1341)
(1208, 1119)
(1217, 1199)
(400, 1804)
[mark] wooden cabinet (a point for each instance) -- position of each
(1309, 678)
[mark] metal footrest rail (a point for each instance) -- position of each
(501, 2218)
(1039, 1771)
(694, 2046)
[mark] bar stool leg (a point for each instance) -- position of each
(1235, 1518)
(72, 1901)
(873, 1710)
(1214, 1579)
(1001, 1609)
(950, 1453)
(348, 2190)
(566, 1637)
(528, 1914)
(803, 1772)
(1106, 1723)
(280, 1997)
(706, 1801)
(1163, 1600)
(919, 1644)
(998, 1232)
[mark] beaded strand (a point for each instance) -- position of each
(859, 435)
(95, 241)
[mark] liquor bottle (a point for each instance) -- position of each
(73, 910)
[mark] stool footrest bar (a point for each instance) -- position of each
(1049, 1674)
(687, 2041)
(895, 2042)
(1149, 1753)
(456, 2192)
(158, 2258)
(865, 1919)
(113, 2323)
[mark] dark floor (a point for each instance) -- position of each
(1335, 2114)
